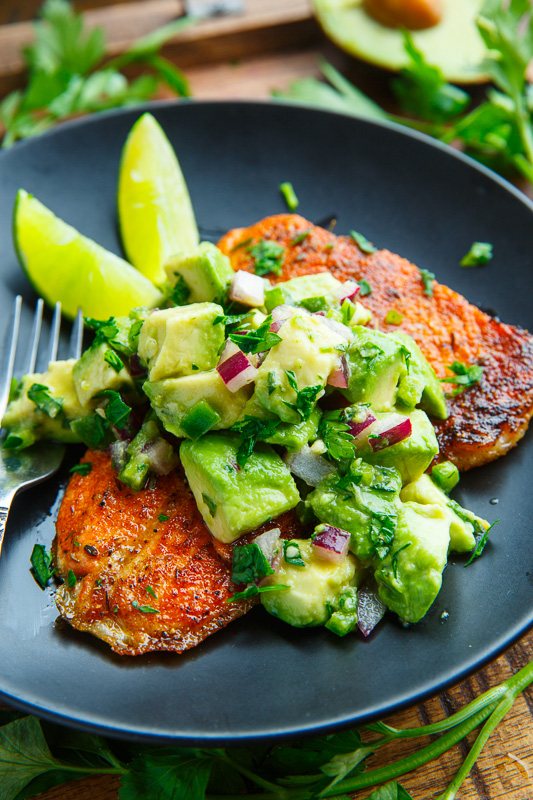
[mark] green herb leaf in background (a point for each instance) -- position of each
(41, 562)
(62, 78)
(480, 253)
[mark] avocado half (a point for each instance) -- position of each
(454, 44)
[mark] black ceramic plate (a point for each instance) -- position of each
(260, 678)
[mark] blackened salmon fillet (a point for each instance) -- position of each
(486, 419)
(141, 570)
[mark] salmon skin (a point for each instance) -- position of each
(485, 420)
(141, 570)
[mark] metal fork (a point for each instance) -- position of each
(21, 470)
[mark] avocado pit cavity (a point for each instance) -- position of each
(411, 14)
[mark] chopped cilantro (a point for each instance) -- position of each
(394, 317)
(382, 530)
(292, 553)
(250, 429)
(144, 609)
(362, 241)
(364, 288)
(480, 253)
(234, 319)
(267, 256)
(465, 376)
(300, 238)
(428, 279)
(163, 518)
(111, 358)
(41, 562)
(81, 469)
(39, 394)
(289, 195)
(256, 341)
(71, 579)
(305, 398)
(336, 436)
(241, 244)
(394, 558)
(117, 412)
(180, 292)
(249, 564)
(211, 505)
(253, 590)
(481, 544)
(150, 591)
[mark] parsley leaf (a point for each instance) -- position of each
(180, 292)
(480, 546)
(382, 530)
(428, 279)
(93, 430)
(336, 436)
(249, 564)
(41, 562)
(168, 774)
(292, 553)
(81, 469)
(305, 398)
(465, 376)
(111, 358)
(256, 341)
(144, 609)
(250, 429)
(268, 257)
(163, 518)
(362, 241)
(117, 412)
(480, 253)
(300, 238)
(39, 394)
(71, 579)
(364, 288)
(253, 590)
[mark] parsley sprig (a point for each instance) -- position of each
(267, 257)
(251, 429)
(465, 376)
(64, 79)
(36, 757)
(305, 398)
(335, 434)
(255, 341)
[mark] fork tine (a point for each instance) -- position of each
(76, 336)
(8, 358)
(54, 333)
(33, 348)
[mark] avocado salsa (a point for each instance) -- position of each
(272, 398)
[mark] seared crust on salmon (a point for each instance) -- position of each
(122, 551)
(486, 420)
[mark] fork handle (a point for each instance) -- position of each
(5, 505)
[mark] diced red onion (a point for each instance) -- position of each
(370, 609)
(270, 546)
(136, 368)
(161, 456)
(281, 314)
(331, 543)
(332, 324)
(117, 451)
(348, 291)
(340, 375)
(357, 428)
(391, 430)
(309, 466)
(247, 289)
(235, 369)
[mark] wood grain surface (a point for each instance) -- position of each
(246, 57)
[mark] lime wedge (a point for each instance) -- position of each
(66, 266)
(154, 208)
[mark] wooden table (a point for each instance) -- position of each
(247, 57)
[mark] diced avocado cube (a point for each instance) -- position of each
(314, 589)
(463, 523)
(344, 617)
(28, 420)
(309, 351)
(206, 271)
(445, 475)
(293, 437)
(277, 296)
(410, 576)
(199, 420)
(234, 500)
(364, 503)
(101, 368)
(413, 455)
(376, 364)
(321, 283)
(172, 399)
(180, 341)
(420, 386)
